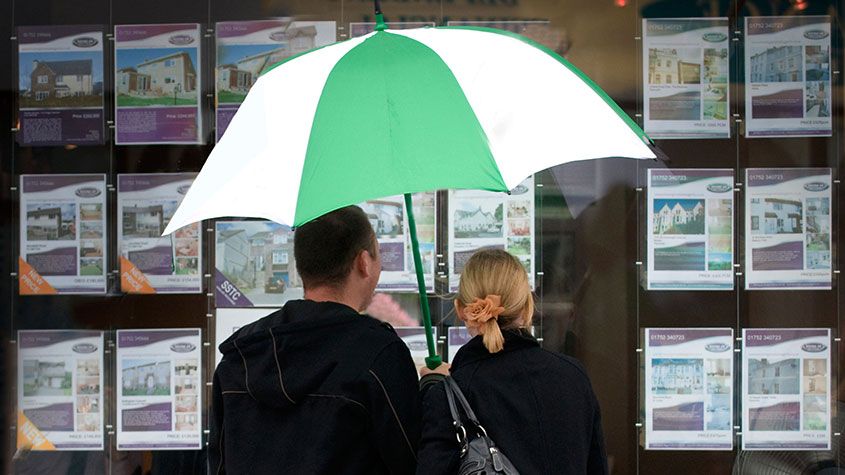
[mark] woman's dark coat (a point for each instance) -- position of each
(537, 406)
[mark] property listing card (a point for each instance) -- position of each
(62, 234)
(254, 265)
(689, 388)
(786, 389)
(414, 337)
(150, 263)
(690, 229)
(787, 228)
(245, 49)
(685, 78)
(158, 389)
(158, 82)
(60, 79)
(229, 320)
(60, 390)
(390, 223)
(787, 76)
(456, 337)
(488, 220)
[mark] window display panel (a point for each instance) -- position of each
(488, 220)
(787, 76)
(150, 263)
(62, 234)
(60, 390)
(61, 85)
(787, 228)
(690, 229)
(689, 388)
(159, 381)
(786, 389)
(158, 83)
(685, 78)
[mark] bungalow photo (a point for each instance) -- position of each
(156, 77)
(51, 222)
(46, 378)
(479, 218)
(776, 216)
(60, 79)
(678, 216)
(145, 377)
(240, 65)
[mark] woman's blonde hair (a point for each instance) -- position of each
(494, 272)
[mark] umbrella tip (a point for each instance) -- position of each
(380, 24)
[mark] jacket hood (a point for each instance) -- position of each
(299, 350)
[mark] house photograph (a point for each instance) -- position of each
(777, 64)
(677, 376)
(776, 216)
(146, 377)
(240, 65)
(386, 217)
(60, 80)
(478, 218)
(674, 65)
(46, 378)
(767, 376)
(257, 257)
(678, 216)
(156, 77)
(51, 222)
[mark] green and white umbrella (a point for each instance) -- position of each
(404, 111)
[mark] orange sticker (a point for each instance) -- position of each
(132, 280)
(30, 282)
(31, 437)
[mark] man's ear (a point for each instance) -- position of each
(364, 264)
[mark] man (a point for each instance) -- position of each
(316, 387)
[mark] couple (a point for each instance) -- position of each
(318, 388)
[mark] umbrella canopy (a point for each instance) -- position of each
(404, 111)
(399, 112)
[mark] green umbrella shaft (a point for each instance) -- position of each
(433, 359)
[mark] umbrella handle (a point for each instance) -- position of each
(433, 359)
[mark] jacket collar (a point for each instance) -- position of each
(474, 350)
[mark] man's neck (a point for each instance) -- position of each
(331, 294)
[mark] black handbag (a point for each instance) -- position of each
(479, 454)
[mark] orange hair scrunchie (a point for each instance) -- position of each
(482, 310)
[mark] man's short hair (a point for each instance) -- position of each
(325, 248)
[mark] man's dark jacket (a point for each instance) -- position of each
(314, 388)
(537, 406)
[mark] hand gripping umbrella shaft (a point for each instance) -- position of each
(433, 359)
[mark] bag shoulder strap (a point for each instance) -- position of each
(452, 387)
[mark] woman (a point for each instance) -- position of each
(537, 406)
